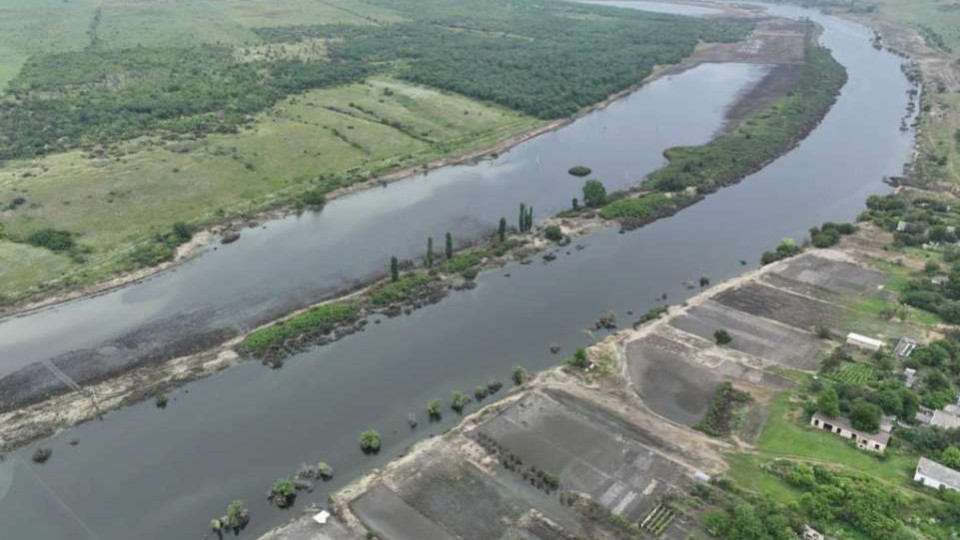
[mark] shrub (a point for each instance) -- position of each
(579, 359)
(402, 290)
(464, 261)
(458, 401)
(579, 170)
(283, 492)
(594, 194)
(519, 375)
(724, 416)
(786, 248)
(370, 441)
(553, 233)
(55, 240)
(828, 403)
(324, 470)
(722, 337)
(865, 416)
(315, 198)
(238, 516)
(434, 409)
(319, 320)
(640, 209)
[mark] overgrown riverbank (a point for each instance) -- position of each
(695, 171)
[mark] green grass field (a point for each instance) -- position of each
(113, 204)
(40, 26)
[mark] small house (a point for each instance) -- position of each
(932, 474)
(909, 377)
(841, 427)
(942, 418)
(939, 280)
(864, 342)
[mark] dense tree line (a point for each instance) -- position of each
(95, 96)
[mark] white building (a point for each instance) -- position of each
(910, 377)
(904, 347)
(874, 442)
(945, 419)
(932, 474)
(864, 342)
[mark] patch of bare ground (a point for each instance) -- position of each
(774, 41)
(775, 85)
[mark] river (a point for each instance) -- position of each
(150, 474)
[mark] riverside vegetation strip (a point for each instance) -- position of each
(203, 131)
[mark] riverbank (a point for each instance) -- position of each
(140, 383)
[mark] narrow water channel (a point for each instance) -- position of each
(149, 474)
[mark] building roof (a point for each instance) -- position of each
(864, 339)
(904, 347)
(944, 420)
(841, 422)
(938, 472)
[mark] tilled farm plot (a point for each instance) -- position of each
(679, 382)
(788, 308)
(753, 335)
(672, 387)
(839, 277)
(440, 495)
